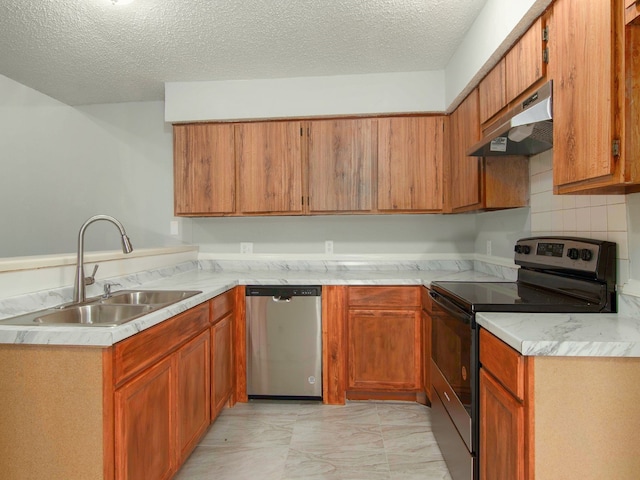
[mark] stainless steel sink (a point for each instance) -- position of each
(95, 314)
(147, 297)
(119, 308)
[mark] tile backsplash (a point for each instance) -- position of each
(603, 217)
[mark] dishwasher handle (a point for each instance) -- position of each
(281, 298)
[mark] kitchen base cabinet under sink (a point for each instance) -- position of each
(134, 410)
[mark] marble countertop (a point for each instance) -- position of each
(566, 334)
(530, 334)
(213, 283)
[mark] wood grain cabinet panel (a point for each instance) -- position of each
(411, 163)
(426, 341)
(524, 63)
(204, 169)
(341, 164)
(193, 393)
(382, 350)
(145, 424)
(464, 173)
(594, 63)
(492, 92)
(502, 432)
(221, 363)
(269, 156)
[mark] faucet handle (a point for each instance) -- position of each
(91, 279)
(107, 290)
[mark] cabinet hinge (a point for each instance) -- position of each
(616, 147)
(545, 34)
(545, 55)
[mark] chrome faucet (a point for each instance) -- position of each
(79, 292)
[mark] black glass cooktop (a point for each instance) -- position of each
(510, 297)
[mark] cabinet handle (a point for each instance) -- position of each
(445, 393)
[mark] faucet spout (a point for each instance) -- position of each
(79, 291)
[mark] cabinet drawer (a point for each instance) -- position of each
(504, 363)
(223, 304)
(147, 347)
(388, 296)
(632, 12)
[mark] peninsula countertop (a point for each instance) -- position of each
(566, 334)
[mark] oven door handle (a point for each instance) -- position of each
(451, 307)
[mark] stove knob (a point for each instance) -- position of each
(526, 249)
(585, 254)
(573, 253)
(518, 249)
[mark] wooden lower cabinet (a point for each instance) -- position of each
(502, 432)
(384, 342)
(162, 412)
(383, 354)
(548, 417)
(193, 393)
(144, 424)
(221, 364)
(425, 300)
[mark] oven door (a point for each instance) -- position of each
(455, 365)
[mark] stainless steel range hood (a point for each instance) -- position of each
(525, 130)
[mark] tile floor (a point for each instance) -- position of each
(296, 440)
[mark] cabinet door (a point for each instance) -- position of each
(581, 61)
(193, 395)
(144, 424)
(221, 364)
(410, 163)
(464, 172)
(502, 432)
(341, 165)
(384, 350)
(491, 91)
(269, 160)
(203, 169)
(524, 64)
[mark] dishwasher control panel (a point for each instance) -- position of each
(283, 291)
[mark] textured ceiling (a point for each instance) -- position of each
(90, 51)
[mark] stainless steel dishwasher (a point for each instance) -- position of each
(284, 342)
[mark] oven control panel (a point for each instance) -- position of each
(561, 252)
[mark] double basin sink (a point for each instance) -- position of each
(116, 309)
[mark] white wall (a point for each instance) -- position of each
(305, 97)
(351, 234)
(61, 165)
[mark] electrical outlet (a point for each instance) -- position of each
(328, 247)
(489, 248)
(174, 228)
(246, 247)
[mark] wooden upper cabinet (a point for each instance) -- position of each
(594, 63)
(341, 160)
(524, 64)
(464, 172)
(203, 169)
(411, 163)
(269, 159)
(492, 92)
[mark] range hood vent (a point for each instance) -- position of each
(525, 130)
